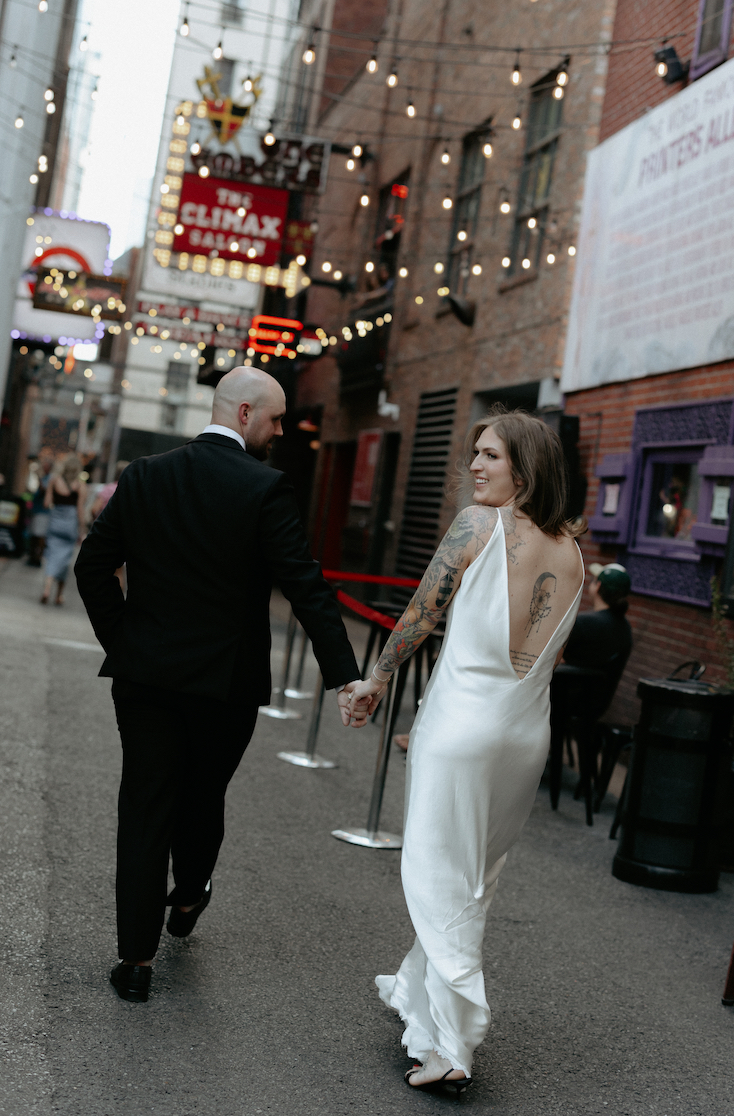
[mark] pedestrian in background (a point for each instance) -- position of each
(106, 491)
(39, 512)
(66, 498)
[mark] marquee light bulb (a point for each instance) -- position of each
(487, 150)
(410, 109)
(350, 164)
(218, 51)
(447, 203)
(309, 55)
(446, 158)
(241, 211)
(178, 229)
(300, 260)
(203, 172)
(516, 78)
(84, 45)
(165, 187)
(195, 148)
(392, 79)
(234, 246)
(372, 65)
(364, 200)
(184, 28)
(357, 150)
(517, 123)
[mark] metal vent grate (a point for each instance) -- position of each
(424, 493)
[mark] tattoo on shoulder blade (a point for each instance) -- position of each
(540, 606)
(523, 661)
(513, 542)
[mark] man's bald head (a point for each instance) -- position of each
(252, 403)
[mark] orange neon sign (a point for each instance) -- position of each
(273, 335)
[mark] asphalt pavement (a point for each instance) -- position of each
(605, 996)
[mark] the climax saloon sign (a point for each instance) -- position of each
(245, 225)
(654, 282)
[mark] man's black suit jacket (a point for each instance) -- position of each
(205, 531)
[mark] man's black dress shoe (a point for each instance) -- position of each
(181, 923)
(132, 982)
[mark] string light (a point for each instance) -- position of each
(419, 300)
(218, 51)
(461, 234)
(48, 95)
(13, 61)
(517, 123)
(309, 55)
(247, 84)
(447, 203)
(178, 229)
(195, 148)
(326, 266)
(357, 150)
(392, 77)
(476, 269)
(373, 65)
(446, 158)
(33, 179)
(516, 77)
(43, 5)
(438, 268)
(403, 272)
(43, 163)
(300, 260)
(337, 275)
(184, 28)
(84, 45)
(94, 94)
(364, 200)
(269, 138)
(532, 222)
(51, 107)
(550, 258)
(562, 76)
(558, 92)
(487, 151)
(410, 109)
(571, 250)
(442, 291)
(369, 266)
(506, 261)
(505, 206)
(526, 263)
(203, 172)
(350, 164)
(19, 121)
(661, 69)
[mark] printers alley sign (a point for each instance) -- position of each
(654, 282)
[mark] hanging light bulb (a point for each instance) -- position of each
(42, 163)
(562, 77)
(19, 121)
(505, 206)
(461, 234)
(438, 268)
(195, 148)
(43, 5)
(369, 266)
(247, 85)
(550, 258)
(309, 55)
(392, 77)
(571, 250)
(487, 151)
(661, 69)
(447, 203)
(446, 158)
(203, 172)
(33, 179)
(403, 273)
(48, 95)
(13, 61)
(506, 261)
(558, 92)
(357, 150)
(218, 51)
(517, 122)
(364, 200)
(410, 109)
(94, 94)
(84, 45)
(269, 138)
(350, 164)
(184, 28)
(373, 65)
(50, 107)
(516, 77)
(476, 269)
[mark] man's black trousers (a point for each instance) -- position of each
(179, 753)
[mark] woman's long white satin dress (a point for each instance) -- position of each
(477, 751)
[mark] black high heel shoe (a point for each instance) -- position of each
(460, 1084)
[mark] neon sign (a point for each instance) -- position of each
(274, 335)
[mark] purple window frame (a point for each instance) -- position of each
(717, 461)
(702, 63)
(653, 545)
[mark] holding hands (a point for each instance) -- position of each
(358, 700)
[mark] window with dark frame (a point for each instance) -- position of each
(531, 219)
(711, 45)
(466, 209)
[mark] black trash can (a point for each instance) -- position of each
(676, 787)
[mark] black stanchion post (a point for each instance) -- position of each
(309, 757)
(278, 709)
(372, 837)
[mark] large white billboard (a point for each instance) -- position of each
(654, 283)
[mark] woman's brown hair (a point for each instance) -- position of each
(537, 462)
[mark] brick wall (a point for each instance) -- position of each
(665, 633)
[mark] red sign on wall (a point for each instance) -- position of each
(241, 223)
(365, 466)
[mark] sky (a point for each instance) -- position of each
(135, 44)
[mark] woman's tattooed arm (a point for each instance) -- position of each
(465, 539)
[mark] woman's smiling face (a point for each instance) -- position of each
(494, 484)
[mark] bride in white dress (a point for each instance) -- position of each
(508, 576)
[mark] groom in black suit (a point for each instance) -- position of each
(204, 531)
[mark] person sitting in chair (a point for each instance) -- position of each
(602, 638)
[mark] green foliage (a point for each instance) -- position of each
(721, 631)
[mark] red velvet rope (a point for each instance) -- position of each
(370, 579)
(365, 611)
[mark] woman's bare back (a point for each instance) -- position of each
(544, 575)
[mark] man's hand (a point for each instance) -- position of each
(364, 697)
(354, 713)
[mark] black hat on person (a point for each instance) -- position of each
(613, 578)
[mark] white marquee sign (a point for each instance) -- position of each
(654, 283)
